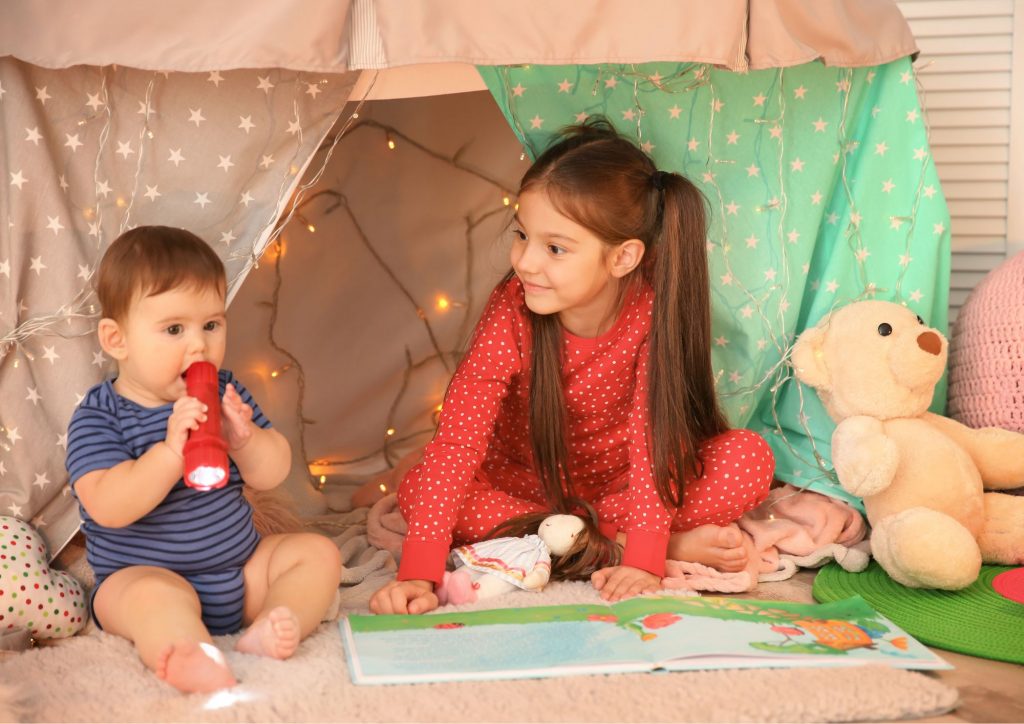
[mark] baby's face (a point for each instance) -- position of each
(164, 334)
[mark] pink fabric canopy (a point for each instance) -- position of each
(340, 35)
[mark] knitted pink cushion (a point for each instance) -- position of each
(986, 354)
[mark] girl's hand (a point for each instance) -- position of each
(618, 582)
(404, 597)
(186, 415)
(238, 427)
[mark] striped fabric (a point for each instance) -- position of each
(190, 532)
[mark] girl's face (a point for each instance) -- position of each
(164, 334)
(565, 269)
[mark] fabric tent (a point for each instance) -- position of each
(220, 118)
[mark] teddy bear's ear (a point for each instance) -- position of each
(808, 359)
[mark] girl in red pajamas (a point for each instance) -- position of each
(589, 376)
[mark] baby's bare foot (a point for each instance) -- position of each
(194, 667)
(713, 545)
(275, 635)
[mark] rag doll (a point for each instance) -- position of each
(526, 552)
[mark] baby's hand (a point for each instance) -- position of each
(238, 427)
(186, 415)
(619, 582)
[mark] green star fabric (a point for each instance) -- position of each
(821, 191)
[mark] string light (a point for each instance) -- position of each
(339, 201)
(281, 370)
(391, 142)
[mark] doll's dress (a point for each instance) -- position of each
(510, 559)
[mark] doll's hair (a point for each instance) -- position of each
(604, 182)
(590, 552)
(150, 260)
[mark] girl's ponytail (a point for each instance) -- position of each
(683, 407)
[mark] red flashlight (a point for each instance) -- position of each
(206, 451)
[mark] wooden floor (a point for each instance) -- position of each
(990, 691)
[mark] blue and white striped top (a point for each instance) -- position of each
(191, 531)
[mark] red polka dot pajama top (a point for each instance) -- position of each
(477, 471)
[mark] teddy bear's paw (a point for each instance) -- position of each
(865, 459)
(1002, 538)
(923, 548)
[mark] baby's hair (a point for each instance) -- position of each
(590, 552)
(605, 183)
(149, 260)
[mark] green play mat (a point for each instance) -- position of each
(975, 620)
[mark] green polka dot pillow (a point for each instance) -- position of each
(49, 604)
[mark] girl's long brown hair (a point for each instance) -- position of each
(606, 184)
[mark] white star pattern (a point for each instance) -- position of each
(98, 359)
(50, 354)
(42, 96)
(294, 127)
(246, 199)
(196, 116)
(41, 480)
(312, 89)
(266, 161)
(124, 149)
(54, 224)
(536, 122)
(5, 268)
(33, 135)
(225, 163)
(176, 158)
(227, 237)
(152, 193)
(202, 199)
(102, 189)
(84, 272)
(37, 264)
(216, 78)
(72, 142)
(264, 85)
(93, 101)
(799, 93)
(33, 395)
(18, 179)
(245, 123)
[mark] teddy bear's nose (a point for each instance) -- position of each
(929, 342)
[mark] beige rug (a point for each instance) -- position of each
(97, 677)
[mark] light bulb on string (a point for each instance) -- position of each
(390, 432)
(506, 200)
(391, 142)
(281, 370)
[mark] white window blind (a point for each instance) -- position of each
(972, 75)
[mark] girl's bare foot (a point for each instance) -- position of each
(192, 666)
(275, 635)
(713, 545)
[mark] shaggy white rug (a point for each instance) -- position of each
(98, 677)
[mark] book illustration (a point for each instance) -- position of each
(638, 634)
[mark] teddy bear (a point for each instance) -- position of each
(923, 477)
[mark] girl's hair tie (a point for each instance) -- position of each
(658, 179)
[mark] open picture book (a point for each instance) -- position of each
(634, 635)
